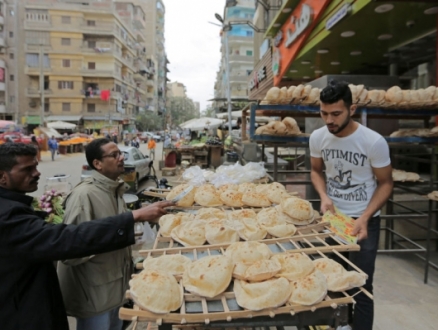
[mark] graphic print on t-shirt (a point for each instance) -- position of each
(340, 186)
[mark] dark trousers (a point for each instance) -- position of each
(362, 314)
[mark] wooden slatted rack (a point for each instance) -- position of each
(310, 240)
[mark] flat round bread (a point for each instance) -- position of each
(294, 266)
(300, 210)
(345, 281)
(156, 291)
(232, 198)
(291, 126)
(255, 199)
(261, 295)
(246, 187)
(206, 195)
(248, 252)
(276, 195)
(273, 95)
(174, 264)
(242, 214)
(187, 200)
(191, 233)
(208, 276)
(298, 91)
(262, 270)
(309, 290)
(209, 213)
(228, 186)
(249, 229)
(275, 225)
(220, 231)
(282, 215)
(169, 221)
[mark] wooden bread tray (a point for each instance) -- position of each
(197, 309)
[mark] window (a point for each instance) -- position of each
(11, 99)
(91, 107)
(11, 77)
(46, 107)
(32, 60)
(11, 56)
(118, 88)
(65, 19)
(65, 63)
(65, 85)
(249, 33)
(91, 65)
(249, 53)
(91, 44)
(11, 34)
(65, 41)
(91, 23)
(65, 106)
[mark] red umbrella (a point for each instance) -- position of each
(6, 125)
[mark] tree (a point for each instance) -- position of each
(209, 112)
(149, 121)
(181, 109)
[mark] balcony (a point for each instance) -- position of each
(150, 95)
(100, 28)
(35, 92)
(150, 83)
(241, 58)
(35, 71)
(2, 107)
(98, 50)
(239, 40)
(97, 73)
(139, 78)
(138, 21)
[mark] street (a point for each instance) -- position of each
(71, 164)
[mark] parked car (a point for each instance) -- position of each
(137, 167)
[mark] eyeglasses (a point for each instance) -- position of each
(115, 155)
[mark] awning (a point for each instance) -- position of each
(107, 118)
(61, 125)
(49, 132)
(234, 114)
(199, 124)
(63, 118)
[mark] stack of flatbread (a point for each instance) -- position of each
(339, 279)
(287, 127)
(175, 264)
(244, 194)
(396, 97)
(421, 132)
(301, 94)
(156, 291)
(403, 176)
(299, 210)
(359, 93)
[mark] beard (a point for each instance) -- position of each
(337, 129)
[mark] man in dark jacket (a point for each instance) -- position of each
(30, 297)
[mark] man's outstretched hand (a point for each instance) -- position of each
(151, 212)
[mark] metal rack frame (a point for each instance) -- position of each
(364, 113)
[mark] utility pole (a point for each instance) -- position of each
(41, 83)
(227, 69)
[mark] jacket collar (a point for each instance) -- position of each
(107, 182)
(18, 197)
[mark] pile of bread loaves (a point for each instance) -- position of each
(244, 194)
(420, 132)
(393, 97)
(219, 227)
(403, 176)
(261, 279)
(288, 127)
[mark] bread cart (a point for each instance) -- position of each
(223, 311)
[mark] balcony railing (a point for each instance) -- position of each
(35, 92)
(241, 58)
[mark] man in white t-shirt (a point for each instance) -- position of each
(358, 181)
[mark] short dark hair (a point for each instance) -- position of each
(10, 151)
(335, 91)
(94, 150)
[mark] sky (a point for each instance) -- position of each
(193, 45)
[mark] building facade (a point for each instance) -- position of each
(5, 112)
(178, 89)
(93, 64)
(240, 41)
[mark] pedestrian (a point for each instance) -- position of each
(151, 147)
(358, 181)
(95, 303)
(29, 290)
(134, 143)
(115, 138)
(35, 143)
(53, 146)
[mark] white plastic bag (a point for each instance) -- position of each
(148, 234)
(194, 176)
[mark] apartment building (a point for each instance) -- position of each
(94, 67)
(5, 113)
(153, 12)
(241, 54)
(178, 89)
